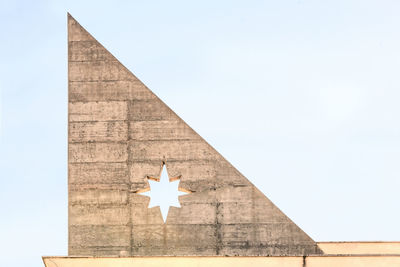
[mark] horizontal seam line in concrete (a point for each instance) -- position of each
(155, 161)
(96, 60)
(123, 141)
(111, 189)
(83, 41)
(88, 121)
(190, 224)
(198, 140)
(101, 101)
(111, 81)
(115, 99)
(86, 162)
(118, 80)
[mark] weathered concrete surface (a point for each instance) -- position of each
(119, 134)
(309, 261)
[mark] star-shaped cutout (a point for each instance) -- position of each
(164, 192)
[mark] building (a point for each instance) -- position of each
(121, 135)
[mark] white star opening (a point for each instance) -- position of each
(164, 192)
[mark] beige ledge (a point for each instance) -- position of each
(311, 261)
(338, 254)
(360, 248)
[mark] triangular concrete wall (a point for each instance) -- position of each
(120, 133)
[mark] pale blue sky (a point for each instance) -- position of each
(301, 96)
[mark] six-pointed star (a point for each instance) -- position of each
(164, 192)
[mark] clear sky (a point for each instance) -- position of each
(301, 96)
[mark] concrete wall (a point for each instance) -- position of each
(119, 134)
